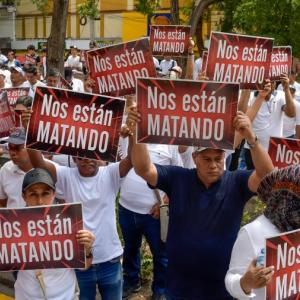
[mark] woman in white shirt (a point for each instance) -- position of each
(280, 191)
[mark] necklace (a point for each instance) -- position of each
(269, 105)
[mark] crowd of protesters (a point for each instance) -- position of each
(205, 256)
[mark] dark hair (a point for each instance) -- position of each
(31, 47)
(31, 70)
(13, 51)
(53, 72)
(68, 72)
(24, 100)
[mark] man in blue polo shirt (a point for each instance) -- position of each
(206, 206)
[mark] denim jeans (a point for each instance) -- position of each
(134, 226)
(108, 277)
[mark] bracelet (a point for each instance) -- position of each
(251, 146)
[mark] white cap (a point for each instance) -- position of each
(200, 149)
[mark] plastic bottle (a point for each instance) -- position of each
(260, 261)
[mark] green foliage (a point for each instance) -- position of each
(253, 209)
(89, 9)
(272, 18)
(147, 7)
(41, 5)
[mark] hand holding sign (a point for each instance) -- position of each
(86, 238)
(284, 81)
(256, 277)
(243, 125)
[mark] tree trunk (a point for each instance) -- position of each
(56, 40)
(199, 38)
(175, 12)
(198, 12)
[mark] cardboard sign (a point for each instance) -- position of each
(239, 59)
(282, 252)
(7, 121)
(116, 68)
(41, 237)
(204, 61)
(170, 40)
(284, 152)
(183, 112)
(64, 84)
(14, 93)
(281, 62)
(77, 124)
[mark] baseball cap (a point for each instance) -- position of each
(200, 149)
(18, 69)
(37, 176)
(2, 73)
(17, 137)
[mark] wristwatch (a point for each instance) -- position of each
(90, 255)
(251, 146)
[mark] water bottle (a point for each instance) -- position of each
(260, 261)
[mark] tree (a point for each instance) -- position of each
(272, 18)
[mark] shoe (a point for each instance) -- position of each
(158, 297)
(129, 289)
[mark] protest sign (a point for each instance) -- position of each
(77, 124)
(6, 116)
(283, 252)
(170, 40)
(64, 84)
(204, 62)
(281, 62)
(239, 59)
(284, 152)
(183, 112)
(115, 68)
(41, 237)
(14, 93)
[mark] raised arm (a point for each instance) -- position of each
(190, 60)
(36, 157)
(290, 107)
(244, 100)
(261, 159)
(139, 153)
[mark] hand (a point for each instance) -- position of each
(267, 89)
(133, 117)
(182, 149)
(155, 211)
(191, 44)
(242, 124)
(86, 238)
(285, 81)
(201, 76)
(25, 116)
(256, 277)
(89, 84)
(125, 131)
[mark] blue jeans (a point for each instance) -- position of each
(134, 226)
(108, 277)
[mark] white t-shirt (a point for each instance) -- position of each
(297, 87)
(73, 62)
(197, 67)
(250, 241)
(11, 180)
(32, 87)
(135, 193)
(289, 124)
(77, 85)
(166, 65)
(98, 195)
(60, 285)
(269, 119)
(64, 160)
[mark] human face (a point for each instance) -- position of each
(73, 52)
(16, 77)
(32, 78)
(39, 194)
(210, 165)
(10, 56)
(52, 81)
(18, 154)
(87, 167)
